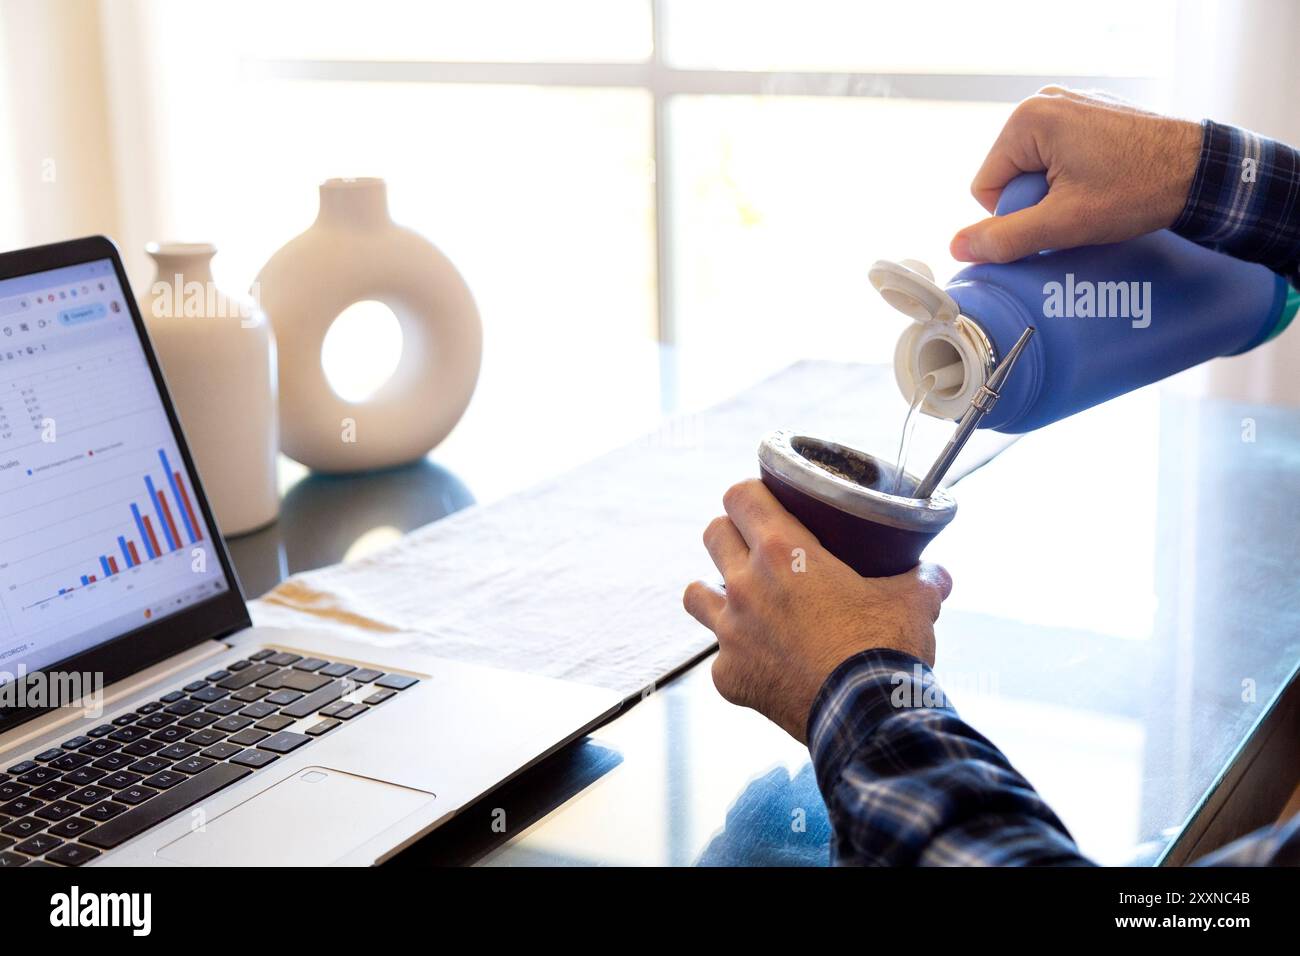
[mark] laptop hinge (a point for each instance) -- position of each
(64, 717)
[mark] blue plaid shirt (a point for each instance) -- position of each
(905, 780)
(1245, 199)
(908, 783)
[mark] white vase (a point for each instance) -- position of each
(217, 353)
(353, 253)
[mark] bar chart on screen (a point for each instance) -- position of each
(110, 525)
(162, 515)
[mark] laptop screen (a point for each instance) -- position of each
(101, 531)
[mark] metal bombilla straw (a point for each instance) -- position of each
(980, 406)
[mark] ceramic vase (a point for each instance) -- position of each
(217, 353)
(352, 253)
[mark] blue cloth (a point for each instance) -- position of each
(908, 783)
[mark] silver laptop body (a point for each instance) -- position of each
(195, 738)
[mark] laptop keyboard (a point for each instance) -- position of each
(69, 804)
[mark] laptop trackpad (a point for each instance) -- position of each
(313, 818)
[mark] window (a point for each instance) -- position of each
(655, 202)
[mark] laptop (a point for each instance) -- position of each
(143, 719)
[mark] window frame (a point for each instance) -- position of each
(663, 82)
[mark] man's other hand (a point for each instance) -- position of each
(791, 612)
(1114, 172)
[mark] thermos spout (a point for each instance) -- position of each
(980, 405)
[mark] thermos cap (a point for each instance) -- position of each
(910, 288)
(942, 346)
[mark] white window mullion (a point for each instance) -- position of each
(661, 78)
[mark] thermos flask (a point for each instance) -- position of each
(1110, 319)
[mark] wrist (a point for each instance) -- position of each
(1185, 145)
(868, 677)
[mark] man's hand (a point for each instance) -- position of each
(792, 612)
(1114, 172)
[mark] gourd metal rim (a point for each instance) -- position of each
(777, 454)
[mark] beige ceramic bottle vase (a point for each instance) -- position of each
(352, 253)
(218, 356)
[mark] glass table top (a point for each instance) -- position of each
(1125, 611)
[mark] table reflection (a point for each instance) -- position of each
(327, 519)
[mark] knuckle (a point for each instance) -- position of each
(1025, 111)
(739, 493)
(694, 601)
(691, 595)
(942, 581)
(727, 679)
(715, 528)
(1041, 108)
(773, 547)
(738, 591)
(734, 495)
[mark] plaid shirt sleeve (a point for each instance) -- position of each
(1245, 199)
(906, 782)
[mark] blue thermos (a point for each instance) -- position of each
(1109, 319)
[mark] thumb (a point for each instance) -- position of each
(1046, 225)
